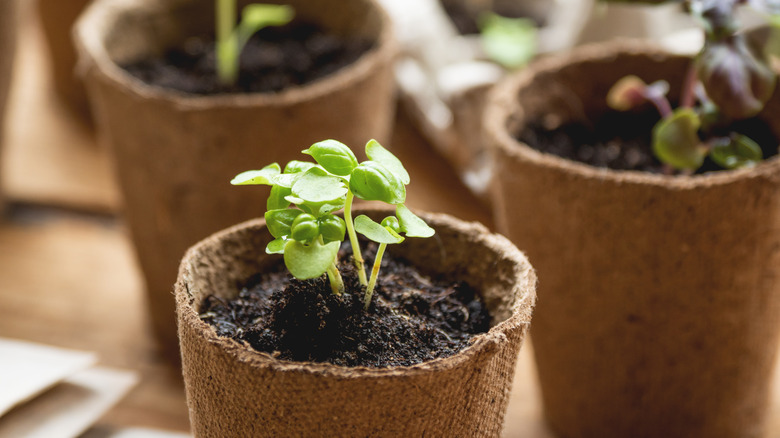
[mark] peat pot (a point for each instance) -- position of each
(235, 391)
(176, 153)
(8, 19)
(661, 294)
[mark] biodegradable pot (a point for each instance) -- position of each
(56, 19)
(660, 311)
(175, 153)
(235, 391)
(8, 19)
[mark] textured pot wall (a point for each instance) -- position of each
(57, 18)
(8, 19)
(175, 154)
(232, 391)
(659, 314)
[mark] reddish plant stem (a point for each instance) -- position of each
(689, 87)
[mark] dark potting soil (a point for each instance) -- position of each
(275, 58)
(623, 141)
(466, 19)
(412, 317)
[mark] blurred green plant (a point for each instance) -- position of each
(305, 196)
(231, 38)
(730, 79)
(511, 42)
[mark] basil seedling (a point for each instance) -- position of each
(731, 78)
(232, 38)
(305, 196)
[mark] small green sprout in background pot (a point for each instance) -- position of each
(232, 38)
(305, 196)
(511, 42)
(729, 80)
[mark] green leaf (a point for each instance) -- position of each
(376, 232)
(315, 185)
(334, 156)
(286, 179)
(411, 224)
(257, 16)
(309, 261)
(280, 221)
(372, 181)
(510, 42)
(296, 166)
(332, 228)
(276, 246)
(391, 222)
(276, 200)
(627, 93)
(305, 228)
(676, 140)
(377, 153)
(263, 176)
(736, 151)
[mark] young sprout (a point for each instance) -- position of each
(510, 42)
(305, 196)
(231, 39)
(731, 79)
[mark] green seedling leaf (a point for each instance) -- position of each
(676, 140)
(376, 232)
(286, 179)
(378, 153)
(334, 156)
(411, 224)
(296, 166)
(332, 228)
(627, 93)
(736, 151)
(276, 246)
(315, 185)
(264, 176)
(372, 181)
(510, 42)
(276, 200)
(305, 261)
(279, 222)
(257, 16)
(305, 228)
(391, 222)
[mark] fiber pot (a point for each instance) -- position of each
(660, 311)
(56, 19)
(175, 153)
(8, 19)
(235, 391)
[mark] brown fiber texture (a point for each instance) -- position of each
(56, 19)
(8, 20)
(235, 392)
(175, 154)
(659, 302)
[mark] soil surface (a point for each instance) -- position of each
(623, 141)
(465, 15)
(275, 58)
(412, 317)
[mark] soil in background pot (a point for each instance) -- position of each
(623, 141)
(412, 318)
(275, 58)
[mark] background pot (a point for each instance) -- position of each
(175, 154)
(660, 311)
(232, 391)
(8, 20)
(56, 19)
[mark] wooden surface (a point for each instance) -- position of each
(67, 273)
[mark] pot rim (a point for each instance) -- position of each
(93, 24)
(482, 345)
(502, 105)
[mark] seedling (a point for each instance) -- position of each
(305, 196)
(729, 80)
(232, 38)
(511, 42)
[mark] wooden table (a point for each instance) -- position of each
(67, 273)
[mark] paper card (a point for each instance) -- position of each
(27, 369)
(69, 408)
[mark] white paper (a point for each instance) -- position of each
(27, 369)
(69, 408)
